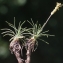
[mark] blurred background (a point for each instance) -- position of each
(38, 10)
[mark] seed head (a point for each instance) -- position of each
(58, 5)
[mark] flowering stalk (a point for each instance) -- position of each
(36, 32)
(58, 5)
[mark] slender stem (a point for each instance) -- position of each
(46, 22)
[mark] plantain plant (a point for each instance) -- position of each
(29, 43)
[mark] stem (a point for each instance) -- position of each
(28, 54)
(15, 48)
(46, 22)
(29, 47)
(17, 54)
